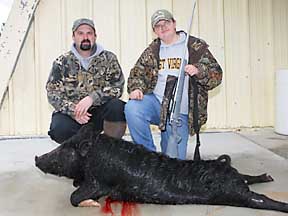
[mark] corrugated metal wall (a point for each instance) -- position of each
(248, 37)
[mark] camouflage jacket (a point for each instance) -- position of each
(69, 82)
(144, 76)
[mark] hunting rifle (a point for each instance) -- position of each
(174, 108)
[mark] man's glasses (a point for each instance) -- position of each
(163, 24)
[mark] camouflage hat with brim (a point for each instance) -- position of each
(160, 15)
(82, 21)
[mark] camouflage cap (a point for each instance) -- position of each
(160, 15)
(82, 21)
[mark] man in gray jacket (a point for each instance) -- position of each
(84, 85)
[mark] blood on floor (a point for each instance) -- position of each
(128, 209)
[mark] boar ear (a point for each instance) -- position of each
(84, 147)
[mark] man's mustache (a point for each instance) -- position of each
(86, 40)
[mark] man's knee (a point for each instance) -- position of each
(132, 107)
(114, 129)
(62, 128)
(115, 111)
(60, 134)
(114, 124)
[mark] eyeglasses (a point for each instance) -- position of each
(164, 24)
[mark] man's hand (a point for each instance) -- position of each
(82, 107)
(136, 95)
(84, 118)
(191, 69)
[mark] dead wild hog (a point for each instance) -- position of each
(104, 166)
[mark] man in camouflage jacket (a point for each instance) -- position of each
(149, 103)
(85, 85)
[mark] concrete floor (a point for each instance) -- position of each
(26, 191)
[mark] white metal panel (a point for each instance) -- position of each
(211, 29)
(23, 90)
(237, 63)
(132, 33)
(280, 29)
(11, 108)
(262, 62)
(5, 123)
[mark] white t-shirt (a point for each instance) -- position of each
(169, 64)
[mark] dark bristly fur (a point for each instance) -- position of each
(104, 166)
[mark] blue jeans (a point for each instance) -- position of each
(140, 114)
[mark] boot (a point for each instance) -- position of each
(114, 129)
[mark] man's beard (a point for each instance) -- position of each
(86, 46)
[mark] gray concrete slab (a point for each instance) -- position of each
(26, 191)
(267, 138)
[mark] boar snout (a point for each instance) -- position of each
(38, 164)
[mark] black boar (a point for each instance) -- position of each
(104, 166)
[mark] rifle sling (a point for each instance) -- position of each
(196, 118)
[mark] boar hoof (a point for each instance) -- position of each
(89, 203)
